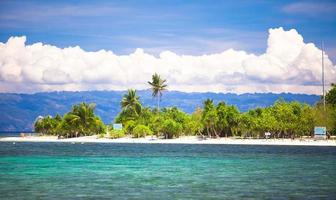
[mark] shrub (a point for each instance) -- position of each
(117, 134)
(172, 128)
(141, 131)
(191, 128)
(129, 126)
(156, 124)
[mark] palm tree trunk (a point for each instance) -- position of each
(158, 103)
(209, 135)
(215, 132)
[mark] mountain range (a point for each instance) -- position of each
(19, 111)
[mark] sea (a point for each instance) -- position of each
(15, 133)
(32, 170)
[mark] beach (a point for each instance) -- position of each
(180, 140)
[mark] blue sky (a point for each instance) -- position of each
(231, 46)
(185, 27)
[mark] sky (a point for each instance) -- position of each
(198, 46)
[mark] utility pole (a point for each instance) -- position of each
(323, 81)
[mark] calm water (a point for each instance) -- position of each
(15, 134)
(158, 171)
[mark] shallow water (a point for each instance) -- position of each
(165, 171)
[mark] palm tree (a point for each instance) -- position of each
(210, 117)
(158, 86)
(38, 125)
(46, 125)
(130, 102)
(208, 104)
(82, 116)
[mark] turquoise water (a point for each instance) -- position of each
(165, 171)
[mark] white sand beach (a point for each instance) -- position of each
(181, 140)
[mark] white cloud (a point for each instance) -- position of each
(288, 65)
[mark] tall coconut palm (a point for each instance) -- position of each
(130, 102)
(158, 86)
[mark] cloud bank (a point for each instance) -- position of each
(288, 65)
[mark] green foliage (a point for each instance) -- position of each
(158, 85)
(228, 119)
(130, 102)
(305, 124)
(171, 128)
(114, 134)
(47, 125)
(256, 122)
(331, 95)
(129, 126)
(124, 116)
(80, 121)
(131, 107)
(210, 118)
(98, 126)
(155, 124)
(83, 121)
(267, 122)
(177, 115)
(146, 116)
(282, 119)
(193, 125)
(141, 131)
(325, 117)
(246, 125)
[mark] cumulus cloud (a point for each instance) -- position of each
(288, 65)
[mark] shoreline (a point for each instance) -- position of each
(181, 140)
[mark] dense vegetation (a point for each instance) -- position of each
(19, 111)
(80, 121)
(282, 119)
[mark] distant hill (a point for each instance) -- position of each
(18, 111)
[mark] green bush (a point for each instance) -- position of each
(117, 134)
(141, 131)
(155, 124)
(129, 126)
(172, 128)
(192, 127)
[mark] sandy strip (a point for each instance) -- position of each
(181, 140)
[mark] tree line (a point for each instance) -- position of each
(282, 119)
(80, 121)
